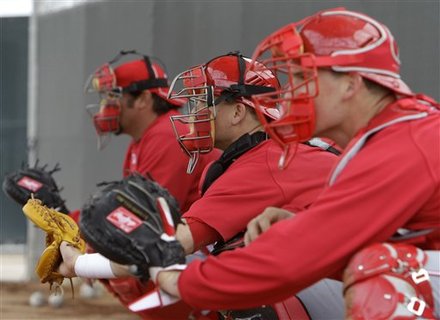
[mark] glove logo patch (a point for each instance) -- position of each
(124, 219)
(29, 184)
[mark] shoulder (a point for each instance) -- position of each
(415, 136)
(424, 136)
(406, 149)
(303, 156)
(162, 125)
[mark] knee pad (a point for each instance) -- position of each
(387, 281)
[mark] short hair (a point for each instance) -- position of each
(376, 88)
(160, 105)
(371, 86)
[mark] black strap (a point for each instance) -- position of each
(240, 89)
(150, 70)
(245, 143)
(333, 150)
(324, 146)
(241, 66)
(406, 234)
(146, 84)
(236, 242)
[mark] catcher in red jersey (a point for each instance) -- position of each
(231, 198)
(342, 82)
(222, 115)
(134, 101)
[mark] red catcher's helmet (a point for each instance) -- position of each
(342, 40)
(224, 78)
(130, 77)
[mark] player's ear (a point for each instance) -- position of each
(145, 99)
(239, 113)
(353, 82)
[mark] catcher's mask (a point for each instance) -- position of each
(131, 77)
(336, 39)
(224, 78)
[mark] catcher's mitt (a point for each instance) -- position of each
(58, 227)
(132, 222)
(20, 184)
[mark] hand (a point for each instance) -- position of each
(261, 223)
(69, 254)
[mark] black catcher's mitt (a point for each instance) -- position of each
(37, 180)
(132, 222)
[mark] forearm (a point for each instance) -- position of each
(120, 270)
(267, 271)
(168, 281)
(184, 236)
(291, 255)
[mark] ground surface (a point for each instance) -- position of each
(14, 304)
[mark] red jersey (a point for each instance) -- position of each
(158, 154)
(388, 178)
(253, 182)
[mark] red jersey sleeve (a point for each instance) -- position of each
(254, 182)
(202, 233)
(387, 185)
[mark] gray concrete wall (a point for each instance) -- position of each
(13, 103)
(73, 42)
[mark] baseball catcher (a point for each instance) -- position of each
(37, 180)
(58, 227)
(131, 222)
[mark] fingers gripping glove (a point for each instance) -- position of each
(20, 184)
(58, 227)
(131, 222)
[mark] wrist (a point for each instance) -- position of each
(155, 271)
(93, 266)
